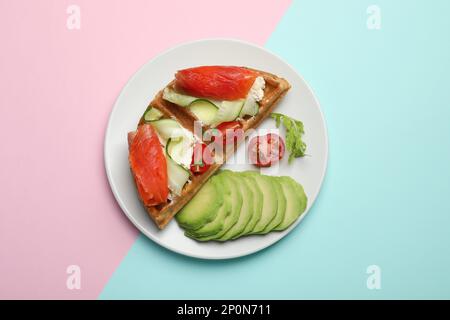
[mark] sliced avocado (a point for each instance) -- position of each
(279, 217)
(295, 201)
(235, 201)
(269, 201)
(203, 207)
(248, 204)
(216, 225)
(246, 212)
(257, 203)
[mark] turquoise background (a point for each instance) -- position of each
(386, 197)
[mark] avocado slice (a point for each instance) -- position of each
(203, 207)
(246, 212)
(216, 225)
(269, 201)
(231, 205)
(248, 195)
(235, 202)
(279, 217)
(296, 201)
(257, 203)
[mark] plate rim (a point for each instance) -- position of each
(140, 227)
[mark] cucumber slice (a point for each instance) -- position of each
(212, 112)
(228, 111)
(250, 108)
(152, 114)
(178, 98)
(174, 148)
(180, 150)
(168, 128)
(177, 176)
(204, 110)
(179, 141)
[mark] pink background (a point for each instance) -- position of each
(58, 88)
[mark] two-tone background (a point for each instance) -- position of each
(381, 225)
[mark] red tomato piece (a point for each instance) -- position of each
(149, 166)
(266, 150)
(216, 82)
(201, 159)
(230, 132)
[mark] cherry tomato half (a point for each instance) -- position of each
(229, 132)
(266, 150)
(201, 158)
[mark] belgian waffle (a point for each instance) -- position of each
(274, 91)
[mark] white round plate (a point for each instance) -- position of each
(300, 103)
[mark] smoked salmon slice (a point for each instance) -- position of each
(216, 82)
(149, 166)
